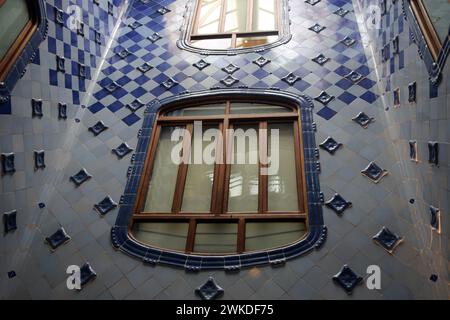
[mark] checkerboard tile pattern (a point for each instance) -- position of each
(80, 47)
(146, 36)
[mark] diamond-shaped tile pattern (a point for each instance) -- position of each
(122, 150)
(8, 164)
(374, 172)
(80, 177)
(57, 239)
(105, 206)
(330, 145)
(363, 119)
(347, 279)
(338, 204)
(9, 221)
(87, 274)
(387, 239)
(210, 290)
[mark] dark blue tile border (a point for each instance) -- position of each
(317, 231)
(434, 68)
(183, 43)
(27, 55)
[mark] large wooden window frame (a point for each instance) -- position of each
(427, 28)
(24, 37)
(219, 199)
(233, 36)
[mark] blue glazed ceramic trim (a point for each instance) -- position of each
(317, 231)
(18, 69)
(434, 68)
(284, 37)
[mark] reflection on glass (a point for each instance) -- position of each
(246, 42)
(251, 108)
(209, 110)
(439, 12)
(282, 187)
(167, 235)
(216, 238)
(200, 175)
(13, 18)
(264, 235)
(263, 15)
(212, 43)
(236, 16)
(244, 174)
(164, 174)
(208, 20)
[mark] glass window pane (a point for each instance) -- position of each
(166, 235)
(209, 17)
(200, 175)
(209, 110)
(282, 185)
(164, 173)
(14, 16)
(250, 108)
(266, 235)
(236, 16)
(224, 43)
(216, 238)
(246, 42)
(244, 173)
(263, 15)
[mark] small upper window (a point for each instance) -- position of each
(220, 25)
(18, 22)
(432, 17)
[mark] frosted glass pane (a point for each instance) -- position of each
(254, 41)
(209, 16)
(164, 174)
(166, 235)
(200, 176)
(13, 18)
(236, 16)
(250, 108)
(282, 186)
(244, 174)
(265, 235)
(212, 43)
(263, 15)
(209, 110)
(216, 238)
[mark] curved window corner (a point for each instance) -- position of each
(235, 26)
(223, 179)
(23, 26)
(430, 30)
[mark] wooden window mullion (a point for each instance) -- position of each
(222, 187)
(140, 204)
(299, 167)
(250, 10)
(277, 14)
(182, 170)
(190, 241)
(216, 195)
(223, 14)
(241, 236)
(262, 152)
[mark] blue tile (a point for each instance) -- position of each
(326, 113)
(131, 119)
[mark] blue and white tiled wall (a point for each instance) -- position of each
(422, 118)
(116, 89)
